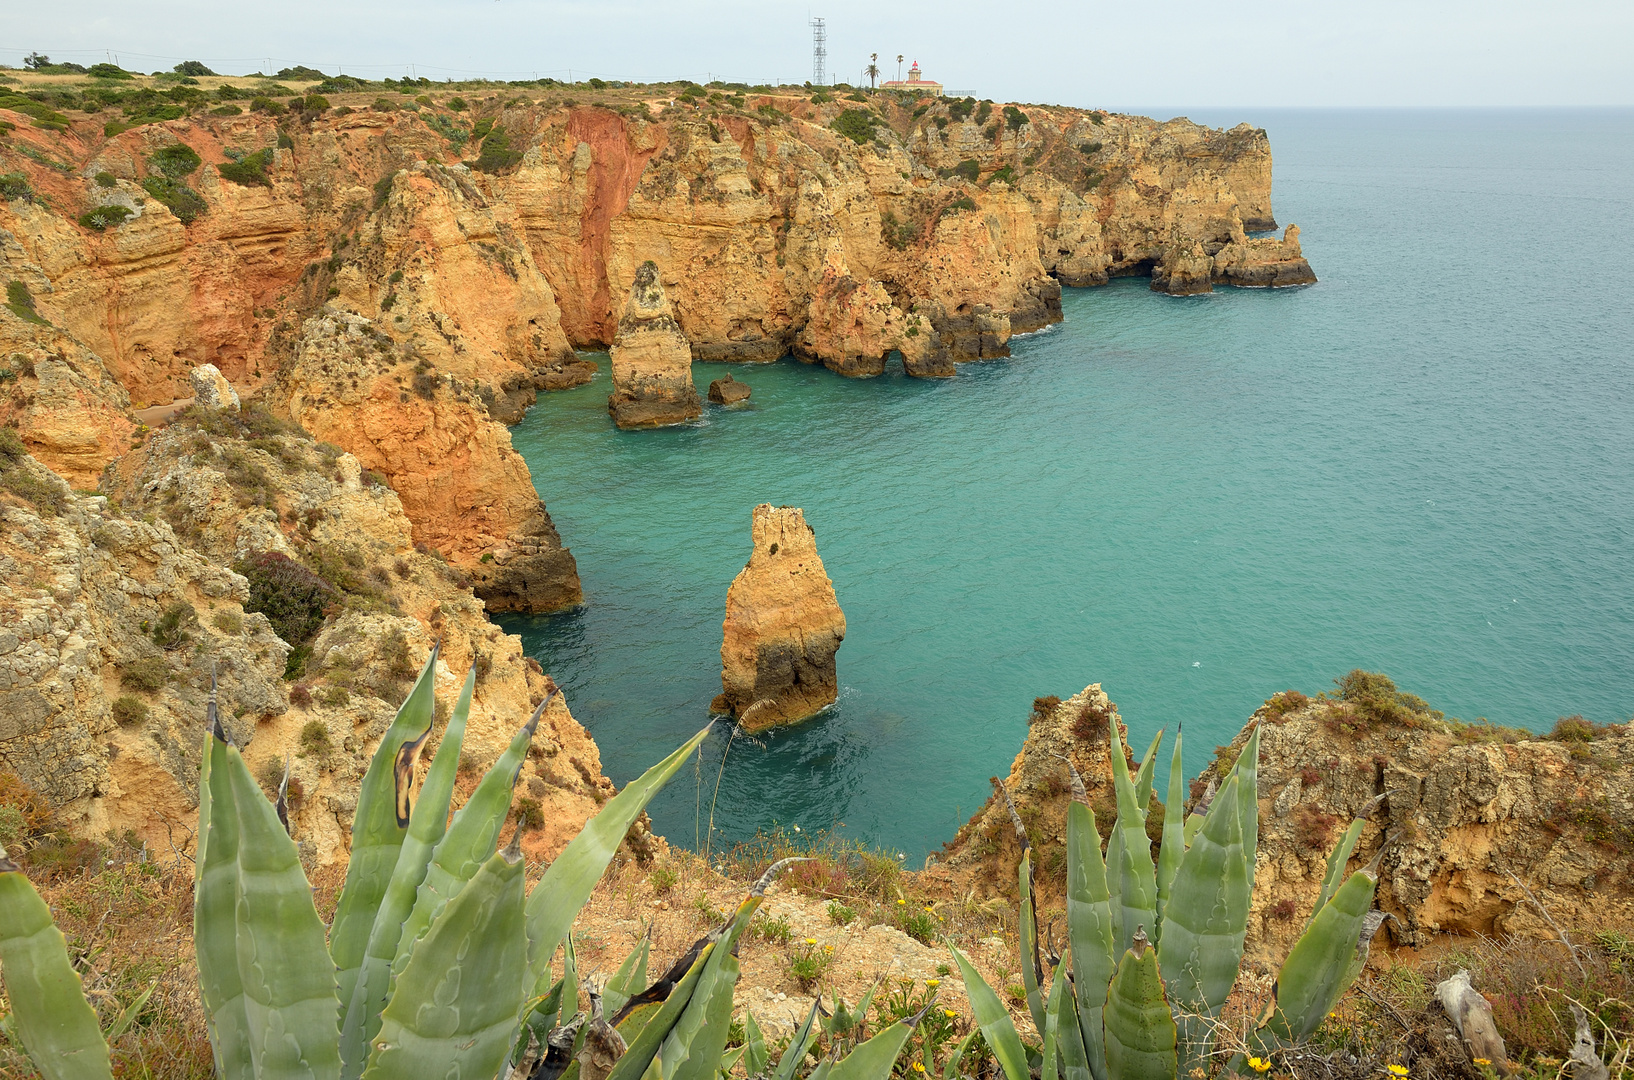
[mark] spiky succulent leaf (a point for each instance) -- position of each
(1030, 973)
(1143, 775)
(1052, 1025)
(471, 839)
(756, 1056)
(215, 906)
(630, 978)
(1173, 849)
(573, 874)
(49, 1014)
(454, 1012)
(1140, 1032)
(644, 1047)
(994, 1021)
(874, 1059)
(1133, 877)
(1335, 871)
(428, 821)
(1202, 944)
(377, 831)
(1247, 771)
(1318, 967)
(1089, 926)
(1070, 1037)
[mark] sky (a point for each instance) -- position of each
(1092, 54)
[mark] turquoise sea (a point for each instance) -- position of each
(1422, 465)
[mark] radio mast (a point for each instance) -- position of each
(819, 53)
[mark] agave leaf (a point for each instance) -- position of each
(1173, 849)
(1143, 775)
(568, 882)
(643, 1048)
(426, 825)
(471, 839)
(754, 1043)
(874, 1059)
(1202, 944)
(288, 981)
(1052, 1025)
(1140, 1032)
(630, 978)
(215, 906)
(994, 1021)
(1318, 967)
(1031, 973)
(950, 1071)
(454, 1012)
(730, 1059)
(1134, 873)
(1070, 1038)
(799, 1043)
(1337, 858)
(1247, 771)
(1089, 925)
(377, 832)
(127, 1016)
(49, 1013)
(570, 984)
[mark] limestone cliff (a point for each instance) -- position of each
(246, 492)
(1472, 820)
(783, 626)
(652, 362)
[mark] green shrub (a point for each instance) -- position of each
(898, 233)
(983, 111)
(841, 914)
(104, 216)
(249, 171)
(969, 169)
(129, 711)
(1098, 119)
(147, 674)
(15, 185)
(597, 84)
(45, 496)
(457, 104)
(497, 153)
(292, 597)
(265, 105)
(963, 202)
(315, 103)
(856, 125)
(1089, 149)
(1376, 702)
(663, 879)
(106, 179)
(114, 127)
(108, 71)
(809, 963)
(177, 197)
(773, 929)
(171, 631)
(335, 696)
(21, 303)
(315, 738)
(11, 828)
(961, 108)
(228, 621)
(191, 67)
(1577, 729)
(229, 92)
(284, 141)
(226, 110)
(529, 814)
(919, 923)
(176, 161)
(482, 127)
(1007, 174)
(1014, 118)
(384, 105)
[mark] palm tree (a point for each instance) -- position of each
(872, 70)
(898, 67)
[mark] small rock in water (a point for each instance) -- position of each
(728, 390)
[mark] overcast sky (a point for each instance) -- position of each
(1173, 53)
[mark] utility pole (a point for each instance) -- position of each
(819, 52)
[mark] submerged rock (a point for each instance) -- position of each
(783, 626)
(652, 361)
(726, 391)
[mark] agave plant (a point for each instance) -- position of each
(1155, 946)
(438, 960)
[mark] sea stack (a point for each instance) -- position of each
(783, 626)
(652, 360)
(728, 391)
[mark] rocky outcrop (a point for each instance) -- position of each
(1473, 828)
(1472, 820)
(70, 411)
(466, 490)
(728, 391)
(783, 626)
(211, 390)
(237, 489)
(652, 362)
(1263, 262)
(113, 629)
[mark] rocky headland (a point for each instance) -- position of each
(783, 627)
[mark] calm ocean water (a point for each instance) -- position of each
(1423, 465)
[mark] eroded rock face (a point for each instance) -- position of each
(112, 630)
(783, 626)
(67, 407)
(1458, 819)
(211, 390)
(324, 511)
(652, 361)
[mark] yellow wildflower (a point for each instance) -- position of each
(901, 901)
(918, 1067)
(1258, 1064)
(1483, 1061)
(811, 941)
(1397, 1070)
(933, 983)
(950, 1014)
